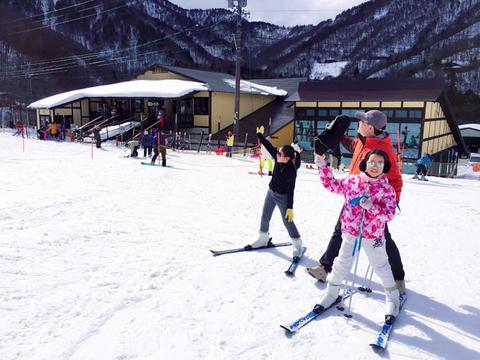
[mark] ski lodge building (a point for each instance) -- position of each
(420, 119)
(193, 101)
(471, 135)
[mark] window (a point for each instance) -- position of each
(305, 132)
(304, 112)
(137, 105)
(388, 113)
(416, 114)
(44, 120)
(101, 108)
(200, 106)
(401, 113)
(410, 139)
(350, 112)
(321, 125)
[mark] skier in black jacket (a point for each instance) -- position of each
(280, 193)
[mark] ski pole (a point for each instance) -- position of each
(367, 288)
(348, 314)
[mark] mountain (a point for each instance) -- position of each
(48, 46)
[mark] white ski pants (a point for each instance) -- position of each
(377, 256)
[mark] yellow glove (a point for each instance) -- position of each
(260, 129)
(289, 215)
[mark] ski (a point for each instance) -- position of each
(249, 248)
(382, 338)
(150, 164)
(294, 264)
(304, 320)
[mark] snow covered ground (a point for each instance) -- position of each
(109, 259)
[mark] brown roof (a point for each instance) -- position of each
(369, 90)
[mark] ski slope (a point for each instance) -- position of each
(104, 258)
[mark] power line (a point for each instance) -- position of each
(65, 22)
(104, 53)
(55, 66)
(59, 16)
(45, 13)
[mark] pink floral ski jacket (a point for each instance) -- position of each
(381, 194)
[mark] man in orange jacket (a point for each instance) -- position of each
(371, 135)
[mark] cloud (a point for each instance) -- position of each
(282, 12)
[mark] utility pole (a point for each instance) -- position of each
(238, 53)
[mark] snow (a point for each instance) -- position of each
(134, 88)
(148, 88)
(104, 258)
(469, 126)
(114, 130)
(380, 13)
(253, 88)
(322, 70)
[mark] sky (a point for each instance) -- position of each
(286, 12)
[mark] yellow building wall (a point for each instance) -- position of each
(436, 145)
(200, 120)
(391, 104)
(354, 104)
(433, 110)
(63, 111)
(306, 104)
(438, 127)
(223, 107)
(328, 104)
(284, 136)
(202, 94)
(435, 128)
(413, 104)
(85, 110)
(77, 116)
(370, 104)
(151, 75)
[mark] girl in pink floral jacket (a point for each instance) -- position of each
(369, 214)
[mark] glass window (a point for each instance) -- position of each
(44, 120)
(322, 112)
(137, 105)
(416, 114)
(321, 125)
(401, 113)
(350, 112)
(305, 132)
(410, 140)
(301, 112)
(352, 129)
(388, 113)
(200, 106)
(333, 112)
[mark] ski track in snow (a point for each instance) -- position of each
(109, 259)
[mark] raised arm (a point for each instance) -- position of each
(348, 143)
(328, 180)
(268, 145)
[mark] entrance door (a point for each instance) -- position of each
(184, 114)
